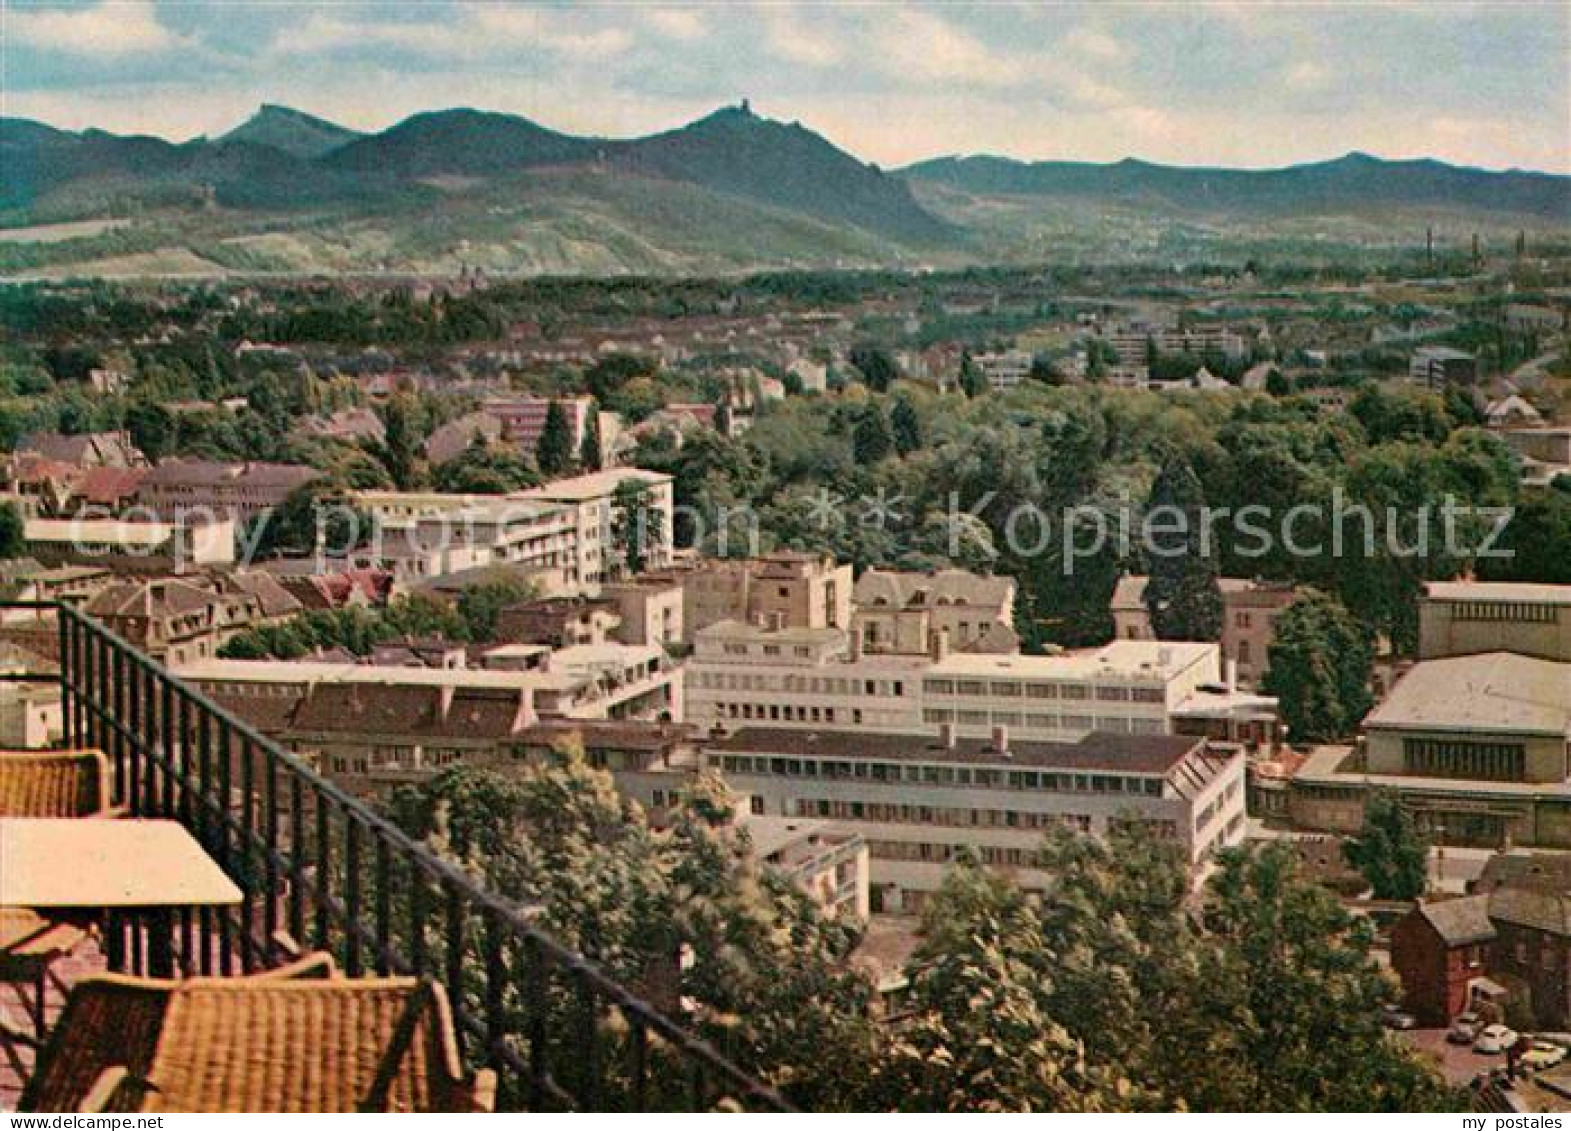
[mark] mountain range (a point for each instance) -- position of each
(286, 191)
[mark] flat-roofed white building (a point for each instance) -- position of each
(563, 532)
(176, 546)
(1458, 618)
(1126, 687)
(741, 674)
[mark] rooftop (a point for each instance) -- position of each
(1494, 692)
(1157, 659)
(1520, 592)
(1114, 753)
(582, 488)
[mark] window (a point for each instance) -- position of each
(756, 805)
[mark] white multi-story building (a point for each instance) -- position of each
(814, 678)
(562, 532)
(1005, 369)
(919, 800)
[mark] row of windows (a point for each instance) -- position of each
(784, 713)
(1453, 758)
(1078, 723)
(942, 775)
(798, 684)
(1519, 611)
(893, 814)
(990, 854)
(1001, 689)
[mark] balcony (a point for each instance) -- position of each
(318, 867)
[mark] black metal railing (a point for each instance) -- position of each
(316, 865)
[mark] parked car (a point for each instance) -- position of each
(1394, 1018)
(1464, 1030)
(1543, 1054)
(1494, 1039)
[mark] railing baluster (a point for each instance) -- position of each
(270, 848)
(457, 999)
(417, 911)
(166, 717)
(588, 1047)
(130, 768)
(248, 864)
(352, 965)
(495, 993)
(297, 838)
(384, 906)
(536, 1003)
(324, 869)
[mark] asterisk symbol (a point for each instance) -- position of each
(824, 508)
(882, 509)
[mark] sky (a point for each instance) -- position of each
(1250, 83)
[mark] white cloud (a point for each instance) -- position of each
(106, 30)
(797, 42)
(1307, 77)
(676, 23)
(1097, 44)
(914, 44)
(475, 31)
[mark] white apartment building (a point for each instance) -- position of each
(590, 498)
(918, 800)
(1005, 369)
(563, 531)
(814, 678)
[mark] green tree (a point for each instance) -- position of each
(554, 452)
(13, 540)
(972, 383)
(486, 469)
(590, 457)
(906, 426)
(872, 439)
(1183, 595)
(152, 428)
(481, 605)
(683, 914)
(877, 366)
(1320, 661)
(404, 433)
(976, 1035)
(1389, 851)
(1302, 996)
(638, 533)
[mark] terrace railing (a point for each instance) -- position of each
(319, 867)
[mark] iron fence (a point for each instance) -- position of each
(317, 866)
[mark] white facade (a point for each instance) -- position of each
(918, 801)
(809, 678)
(562, 531)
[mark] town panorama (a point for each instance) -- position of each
(785, 557)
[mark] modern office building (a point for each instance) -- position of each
(918, 800)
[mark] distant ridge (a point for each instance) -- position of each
(291, 131)
(1356, 180)
(287, 191)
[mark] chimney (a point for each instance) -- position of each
(1001, 740)
(946, 735)
(939, 645)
